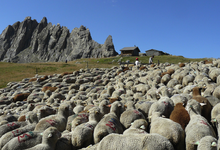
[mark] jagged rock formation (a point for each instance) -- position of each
(30, 41)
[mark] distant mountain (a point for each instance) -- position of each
(30, 41)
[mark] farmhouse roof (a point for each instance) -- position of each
(130, 49)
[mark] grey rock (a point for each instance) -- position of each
(30, 41)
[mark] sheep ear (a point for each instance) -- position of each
(142, 127)
(196, 143)
(202, 104)
(108, 105)
(132, 123)
(213, 120)
(214, 144)
(41, 134)
(50, 135)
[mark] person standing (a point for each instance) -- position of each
(137, 62)
(151, 59)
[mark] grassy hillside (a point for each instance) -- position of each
(10, 72)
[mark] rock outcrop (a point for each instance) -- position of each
(30, 41)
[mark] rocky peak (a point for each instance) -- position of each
(30, 41)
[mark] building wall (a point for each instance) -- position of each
(135, 53)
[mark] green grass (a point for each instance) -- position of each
(10, 72)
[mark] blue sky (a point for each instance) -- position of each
(190, 28)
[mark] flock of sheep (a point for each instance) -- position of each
(151, 107)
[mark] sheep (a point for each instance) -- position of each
(59, 121)
(104, 107)
(25, 140)
(197, 128)
(109, 123)
(218, 80)
(65, 73)
(8, 118)
(129, 142)
(215, 112)
(20, 97)
(11, 126)
(207, 143)
(214, 73)
(39, 79)
(169, 71)
(143, 88)
(79, 106)
(14, 133)
(50, 137)
(180, 115)
(143, 107)
(45, 88)
(45, 111)
(130, 115)
(139, 126)
(209, 89)
(80, 118)
(188, 79)
(169, 129)
(212, 100)
(69, 121)
(163, 92)
(179, 98)
(165, 79)
(216, 92)
(82, 136)
(181, 65)
(64, 142)
(164, 107)
(206, 106)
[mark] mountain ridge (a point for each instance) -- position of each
(30, 41)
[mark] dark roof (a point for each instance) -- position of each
(130, 49)
(155, 52)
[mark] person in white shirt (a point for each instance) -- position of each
(151, 59)
(137, 62)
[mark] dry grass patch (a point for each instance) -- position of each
(10, 72)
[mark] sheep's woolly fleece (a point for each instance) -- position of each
(68, 97)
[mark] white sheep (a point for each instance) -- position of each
(130, 142)
(25, 140)
(207, 143)
(165, 79)
(188, 79)
(11, 126)
(109, 123)
(50, 137)
(130, 115)
(169, 129)
(79, 106)
(164, 107)
(197, 128)
(214, 73)
(59, 120)
(139, 126)
(144, 107)
(216, 92)
(14, 133)
(82, 136)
